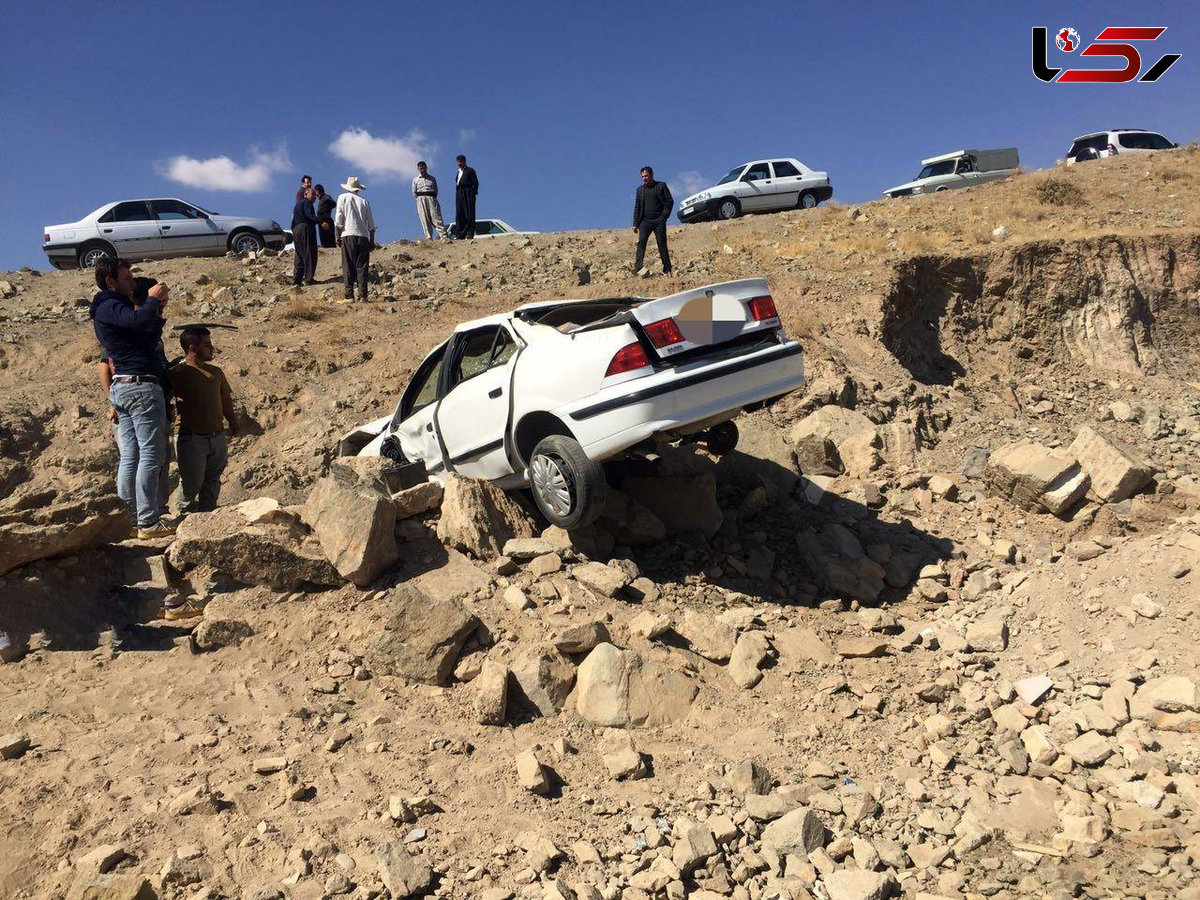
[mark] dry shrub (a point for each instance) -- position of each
(300, 309)
(1056, 192)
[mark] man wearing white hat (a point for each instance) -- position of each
(355, 229)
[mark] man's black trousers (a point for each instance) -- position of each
(304, 241)
(464, 213)
(659, 227)
(356, 258)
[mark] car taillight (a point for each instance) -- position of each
(627, 359)
(1112, 151)
(763, 308)
(663, 333)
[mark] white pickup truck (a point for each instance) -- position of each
(541, 396)
(960, 169)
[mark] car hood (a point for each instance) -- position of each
(714, 191)
(907, 185)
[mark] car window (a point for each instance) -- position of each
(480, 351)
(1133, 141)
(503, 349)
(732, 175)
(174, 209)
(945, 167)
(483, 226)
(131, 211)
(1158, 142)
(784, 169)
(758, 172)
(965, 165)
(422, 390)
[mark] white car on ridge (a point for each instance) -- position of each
(764, 185)
(541, 396)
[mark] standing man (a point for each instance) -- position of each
(132, 336)
(325, 206)
(465, 192)
(203, 398)
(355, 228)
(304, 236)
(305, 184)
(651, 208)
(429, 211)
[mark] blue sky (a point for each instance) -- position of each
(556, 104)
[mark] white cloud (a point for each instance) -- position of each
(223, 174)
(687, 183)
(383, 158)
(467, 134)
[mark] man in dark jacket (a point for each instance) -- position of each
(304, 237)
(465, 192)
(325, 205)
(132, 338)
(651, 208)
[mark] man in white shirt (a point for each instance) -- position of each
(429, 211)
(355, 229)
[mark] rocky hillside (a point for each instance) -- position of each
(929, 633)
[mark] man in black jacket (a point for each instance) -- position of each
(325, 205)
(132, 339)
(304, 238)
(651, 208)
(465, 193)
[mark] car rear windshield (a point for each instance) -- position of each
(570, 316)
(945, 167)
(1096, 142)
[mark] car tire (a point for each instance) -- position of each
(90, 254)
(729, 208)
(247, 242)
(722, 439)
(568, 486)
(808, 200)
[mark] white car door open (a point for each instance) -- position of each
(473, 415)
(418, 440)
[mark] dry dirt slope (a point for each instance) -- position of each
(921, 763)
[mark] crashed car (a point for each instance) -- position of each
(540, 397)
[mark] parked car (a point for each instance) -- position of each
(1111, 143)
(543, 395)
(764, 185)
(488, 228)
(960, 169)
(155, 229)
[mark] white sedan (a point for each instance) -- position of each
(159, 228)
(489, 228)
(763, 185)
(541, 396)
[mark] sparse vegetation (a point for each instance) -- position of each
(1057, 192)
(301, 309)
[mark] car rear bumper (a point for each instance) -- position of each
(673, 400)
(823, 193)
(62, 256)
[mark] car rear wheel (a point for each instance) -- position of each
(729, 208)
(90, 254)
(247, 242)
(722, 439)
(808, 200)
(568, 486)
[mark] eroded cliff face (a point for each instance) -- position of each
(1122, 305)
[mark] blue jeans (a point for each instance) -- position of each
(142, 437)
(164, 473)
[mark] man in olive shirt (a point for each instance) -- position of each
(204, 403)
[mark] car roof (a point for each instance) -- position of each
(1084, 137)
(501, 318)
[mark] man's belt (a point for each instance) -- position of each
(426, 194)
(134, 379)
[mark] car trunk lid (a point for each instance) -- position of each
(703, 320)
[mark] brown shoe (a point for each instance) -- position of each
(159, 529)
(186, 610)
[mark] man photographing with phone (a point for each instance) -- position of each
(132, 337)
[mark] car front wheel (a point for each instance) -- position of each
(246, 242)
(729, 209)
(568, 486)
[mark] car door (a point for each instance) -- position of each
(472, 416)
(756, 187)
(186, 230)
(414, 428)
(131, 230)
(788, 184)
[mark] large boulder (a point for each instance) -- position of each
(403, 874)
(58, 528)
(479, 518)
(1115, 475)
(1035, 477)
(355, 522)
(629, 522)
(683, 502)
(763, 455)
(853, 434)
(422, 637)
(277, 550)
(836, 556)
(543, 679)
(618, 689)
